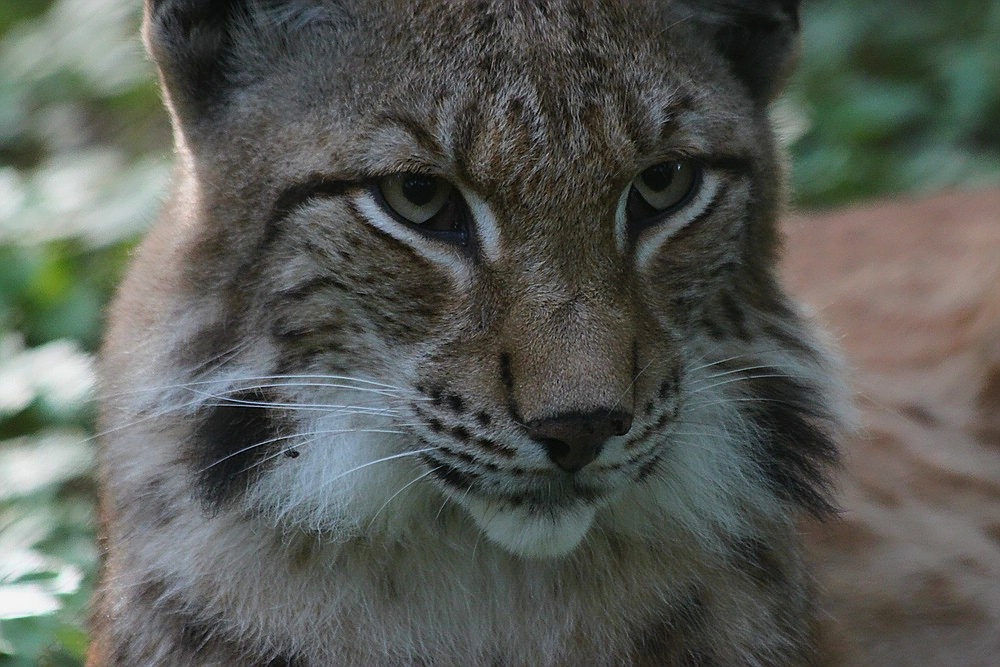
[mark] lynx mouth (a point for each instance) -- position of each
(542, 517)
(529, 530)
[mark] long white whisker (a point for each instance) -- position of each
(444, 503)
(301, 385)
(227, 400)
(391, 457)
(334, 381)
(403, 488)
(698, 390)
(744, 369)
(306, 407)
(630, 385)
(271, 441)
(755, 354)
(303, 443)
(746, 399)
(717, 362)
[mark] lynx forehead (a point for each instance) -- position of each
(461, 308)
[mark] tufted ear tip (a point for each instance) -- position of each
(758, 38)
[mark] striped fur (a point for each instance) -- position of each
(334, 439)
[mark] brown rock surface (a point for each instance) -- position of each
(912, 292)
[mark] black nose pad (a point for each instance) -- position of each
(573, 440)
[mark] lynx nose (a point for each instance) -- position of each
(573, 440)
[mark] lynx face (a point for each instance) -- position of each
(457, 269)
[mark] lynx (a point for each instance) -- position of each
(459, 342)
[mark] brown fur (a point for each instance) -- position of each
(334, 438)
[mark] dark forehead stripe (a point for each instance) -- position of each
(233, 441)
(735, 164)
(288, 201)
(591, 92)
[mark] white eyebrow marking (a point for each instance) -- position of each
(487, 230)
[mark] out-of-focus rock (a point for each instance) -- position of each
(911, 290)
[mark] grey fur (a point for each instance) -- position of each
(392, 494)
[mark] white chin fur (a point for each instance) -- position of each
(527, 534)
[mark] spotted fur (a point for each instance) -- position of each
(334, 439)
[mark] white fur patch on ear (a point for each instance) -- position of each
(529, 534)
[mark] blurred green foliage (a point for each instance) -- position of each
(895, 97)
(890, 97)
(84, 149)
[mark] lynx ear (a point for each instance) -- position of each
(757, 37)
(206, 48)
(191, 42)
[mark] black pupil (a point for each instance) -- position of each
(420, 190)
(661, 176)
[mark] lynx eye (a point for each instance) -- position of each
(429, 203)
(660, 190)
(416, 198)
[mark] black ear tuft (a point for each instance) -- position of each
(757, 37)
(191, 41)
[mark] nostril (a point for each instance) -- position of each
(573, 440)
(621, 424)
(571, 456)
(556, 449)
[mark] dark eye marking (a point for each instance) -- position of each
(298, 195)
(425, 202)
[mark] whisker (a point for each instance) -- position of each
(333, 381)
(304, 407)
(224, 401)
(324, 385)
(230, 401)
(745, 399)
(629, 387)
(744, 369)
(444, 503)
(717, 362)
(698, 390)
(403, 488)
(271, 441)
(755, 354)
(391, 457)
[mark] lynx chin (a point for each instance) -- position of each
(459, 343)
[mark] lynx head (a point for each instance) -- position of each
(507, 260)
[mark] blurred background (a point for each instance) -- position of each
(891, 98)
